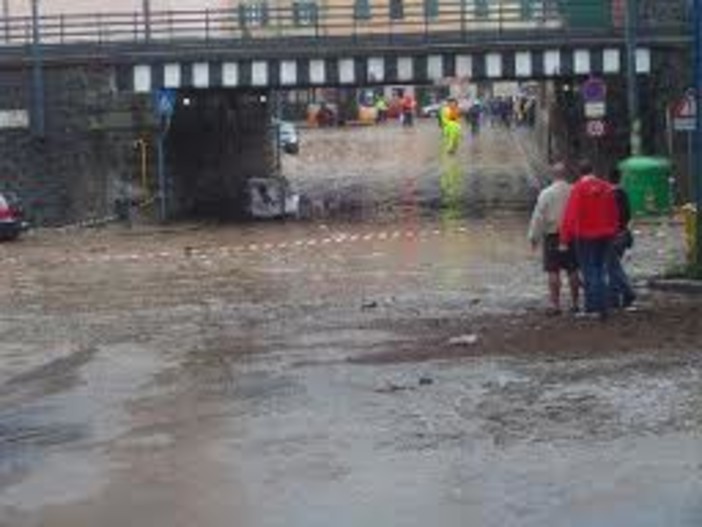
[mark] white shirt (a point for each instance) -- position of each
(547, 215)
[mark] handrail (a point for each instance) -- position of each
(306, 18)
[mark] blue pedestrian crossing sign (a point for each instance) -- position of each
(165, 102)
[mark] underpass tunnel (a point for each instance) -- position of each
(217, 141)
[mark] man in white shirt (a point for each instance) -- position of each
(543, 230)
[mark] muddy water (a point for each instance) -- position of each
(201, 375)
(395, 172)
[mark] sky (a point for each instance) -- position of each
(22, 7)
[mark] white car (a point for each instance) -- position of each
(287, 137)
(271, 198)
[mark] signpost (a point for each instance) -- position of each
(685, 120)
(594, 92)
(164, 105)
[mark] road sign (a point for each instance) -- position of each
(595, 110)
(165, 102)
(594, 93)
(596, 128)
(594, 90)
(685, 114)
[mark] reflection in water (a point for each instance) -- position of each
(452, 186)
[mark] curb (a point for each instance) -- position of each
(678, 285)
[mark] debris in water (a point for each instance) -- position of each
(425, 381)
(392, 388)
(464, 340)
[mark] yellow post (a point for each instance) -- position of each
(143, 151)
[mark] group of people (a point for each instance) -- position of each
(584, 232)
(507, 111)
(405, 103)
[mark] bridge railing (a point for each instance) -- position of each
(391, 20)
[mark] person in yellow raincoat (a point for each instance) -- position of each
(451, 126)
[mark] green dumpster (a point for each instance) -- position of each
(646, 181)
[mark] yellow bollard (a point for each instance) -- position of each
(690, 217)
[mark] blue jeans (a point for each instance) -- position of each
(592, 258)
(621, 294)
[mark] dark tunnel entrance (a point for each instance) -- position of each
(218, 139)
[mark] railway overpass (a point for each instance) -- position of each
(78, 88)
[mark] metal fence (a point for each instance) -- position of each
(465, 19)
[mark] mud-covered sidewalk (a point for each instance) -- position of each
(347, 374)
(394, 370)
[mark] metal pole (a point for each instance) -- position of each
(147, 19)
(631, 24)
(163, 206)
(38, 118)
(697, 176)
(6, 18)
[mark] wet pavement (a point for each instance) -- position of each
(319, 373)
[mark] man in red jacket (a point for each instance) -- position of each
(590, 222)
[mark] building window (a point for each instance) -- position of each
(362, 10)
(482, 8)
(305, 13)
(527, 9)
(253, 14)
(431, 8)
(397, 10)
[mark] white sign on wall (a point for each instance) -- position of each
(14, 119)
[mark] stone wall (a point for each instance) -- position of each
(88, 157)
(77, 168)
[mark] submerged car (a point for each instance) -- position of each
(12, 220)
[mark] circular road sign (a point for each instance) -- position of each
(594, 90)
(596, 128)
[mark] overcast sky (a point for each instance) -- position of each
(22, 7)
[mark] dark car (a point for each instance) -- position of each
(12, 216)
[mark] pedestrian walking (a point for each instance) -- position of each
(544, 230)
(621, 293)
(408, 107)
(590, 223)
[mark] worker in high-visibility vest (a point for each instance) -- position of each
(451, 126)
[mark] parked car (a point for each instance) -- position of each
(287, 136)
(12, 216)
(431, 110)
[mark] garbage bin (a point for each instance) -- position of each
(690, 216)
(646, 181)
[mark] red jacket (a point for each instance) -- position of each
(591, 212)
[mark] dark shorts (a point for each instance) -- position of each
(555, 260)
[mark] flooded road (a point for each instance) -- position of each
(390, 370)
